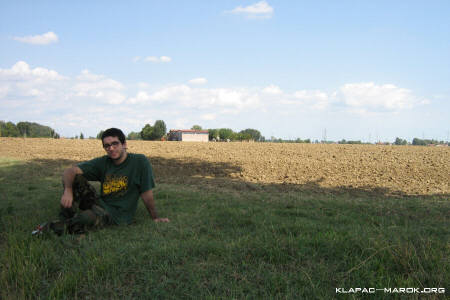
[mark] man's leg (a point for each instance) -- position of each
(84, 195)
(94, 218)
(89, 214)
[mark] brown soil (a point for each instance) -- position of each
(406, 170)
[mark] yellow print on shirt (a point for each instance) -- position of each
(115, 184)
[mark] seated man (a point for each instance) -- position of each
(123, 177)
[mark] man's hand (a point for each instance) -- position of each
(68, 178)
(161, 220)
(67, 198)
(149, 203)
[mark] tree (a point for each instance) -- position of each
(9, 129)
(196, 127)
(299, 140)
(28, 129)
(159, 129)
(99, 135)
(24, 128)
(155, 132)
(244, 136)
(81, 136)
(419, 142)
(147, 132)
(343, 141)
(213, 134)
(226, 134)
(253, 133)
(399, 141)
(134, 136)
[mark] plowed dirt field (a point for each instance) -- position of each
(405, 170)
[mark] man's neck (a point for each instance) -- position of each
(121, 159)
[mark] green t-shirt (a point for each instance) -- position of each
(121, 185)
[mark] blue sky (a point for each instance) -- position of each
(362, 70)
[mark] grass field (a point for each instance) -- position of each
(231, 238)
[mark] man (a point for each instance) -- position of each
(123, 177)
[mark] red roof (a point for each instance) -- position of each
(189, 130)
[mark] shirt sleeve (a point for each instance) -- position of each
(147, 180)
(92, 169)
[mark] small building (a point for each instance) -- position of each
(187, 135)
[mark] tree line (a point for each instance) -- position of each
(227, 134)
(158, 131)
(27, 129)
(426, 142)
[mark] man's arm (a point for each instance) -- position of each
(149, 202)
(68, 178)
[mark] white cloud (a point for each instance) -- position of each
(141, 97)
(152, 59)
(257, 10)
(272, 89)
(4, 91)
(369, 96)
(98, 87)
(353, 98)
(43, 39)
(198, 81)
(357, 98)
(88, 80)
(237, 98)
(136, 59)
(143, 85)
(313, 98)
(35, 93)
(202, 98)
(209, 117)
(161, 59)
(23, 85)
(174, 93)
(135, 122)
(89, 102)
(22, 71)
(182, 123)
(165, 59)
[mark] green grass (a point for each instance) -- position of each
(256, 243)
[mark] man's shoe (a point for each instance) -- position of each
(58, 227)
(40, 229)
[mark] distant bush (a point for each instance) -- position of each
(26, 129)
(134, 136)
(399, 141)
(343, 141)
(425, 142)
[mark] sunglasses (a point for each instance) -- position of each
(113, 144)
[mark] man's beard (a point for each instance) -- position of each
(122, 153)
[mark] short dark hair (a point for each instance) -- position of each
(115, 132)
